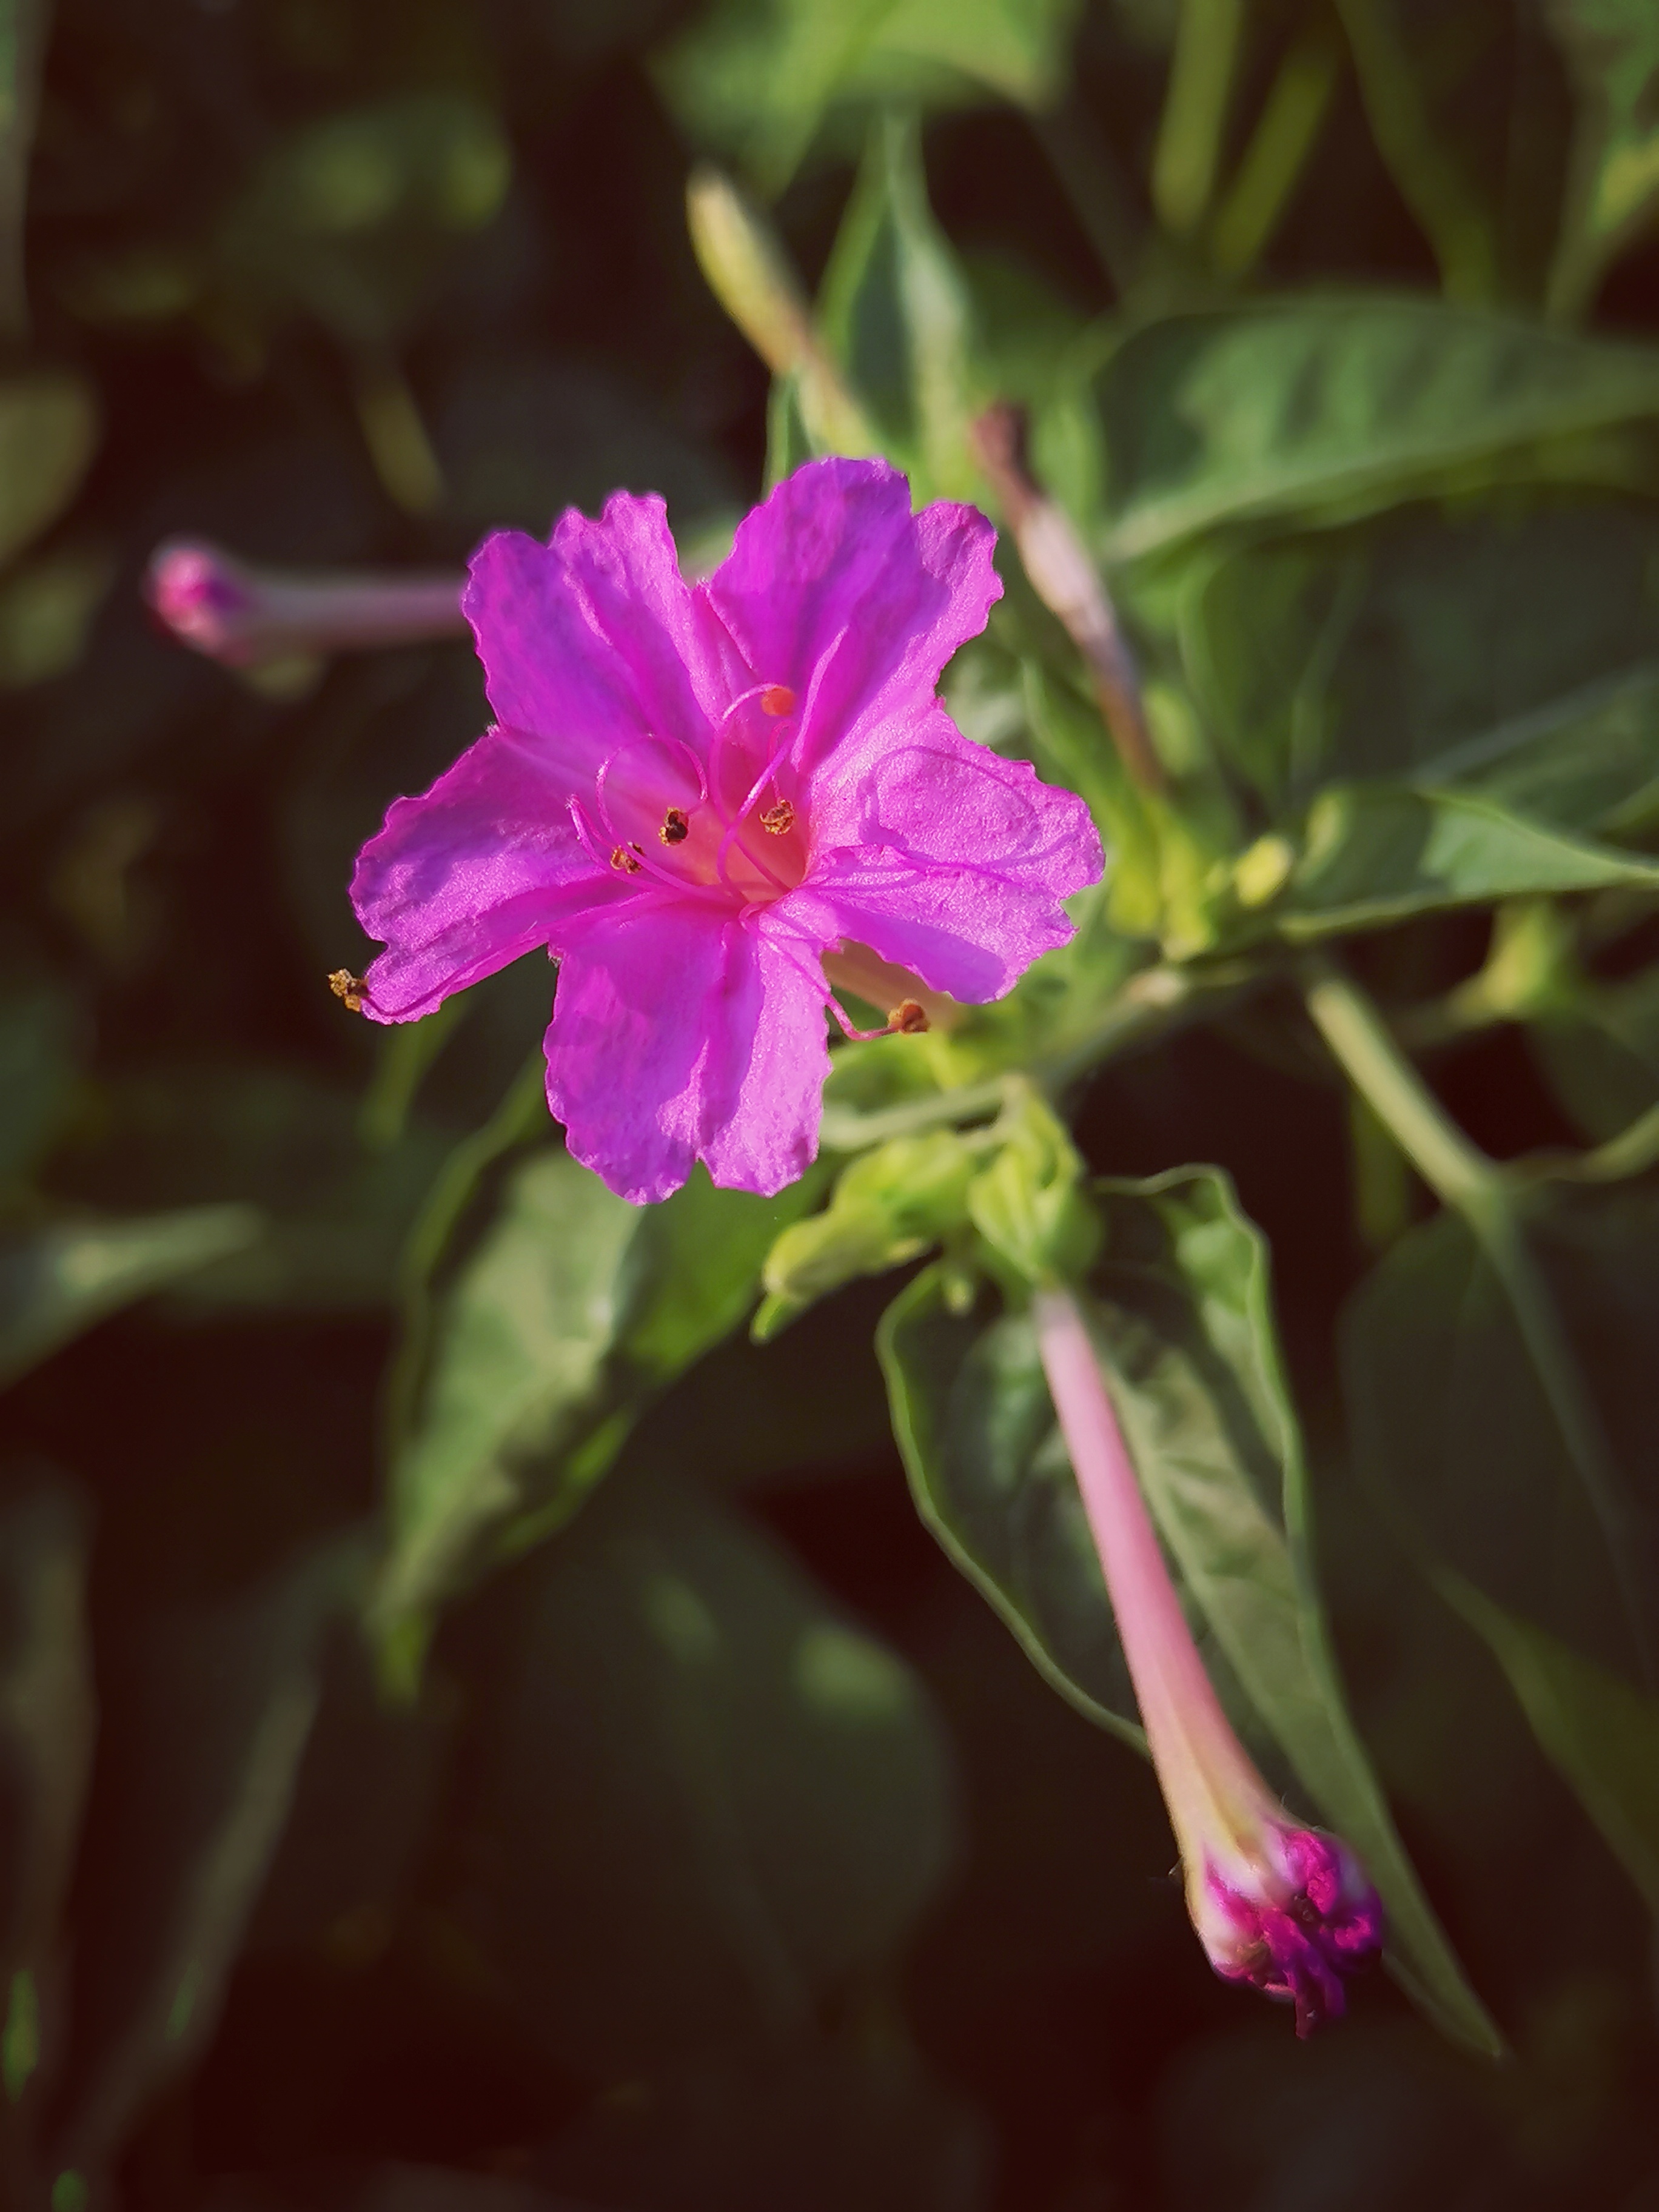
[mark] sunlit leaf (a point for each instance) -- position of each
(1508, 653)
(1376, 854)
(1334, 407)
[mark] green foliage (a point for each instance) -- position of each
(766, 1800)
(759, 77)
(1612, 49)
(717, 1824)
(573, 1308)
(56, 1281)
(1601, 1735)
(1326, 409)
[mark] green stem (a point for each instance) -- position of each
(1471, 1184)
(1145, 1004)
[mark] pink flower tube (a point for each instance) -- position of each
(1286, 1908)
(241, 614)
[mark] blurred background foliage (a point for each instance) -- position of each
(479, 1731)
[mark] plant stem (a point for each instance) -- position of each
(1478, 1188)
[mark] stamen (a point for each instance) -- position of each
(675, 828)
(350, 990)
(908, 1019)
(624, 861)
(777, 699)
(779, 820)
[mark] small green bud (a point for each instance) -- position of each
(888, 1207)
(1028, 1204)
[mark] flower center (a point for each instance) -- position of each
(731, 826)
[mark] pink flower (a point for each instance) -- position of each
(1283, 1907)
(692, 796)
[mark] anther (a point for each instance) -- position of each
(777, 699)
(780, 820)
(624, 861)
(675, 828)
(909, 1019)
(350, 990)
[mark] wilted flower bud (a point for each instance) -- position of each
(1283, 1907)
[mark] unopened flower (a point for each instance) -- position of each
(1285, 1907)
(242, 614)
(693, 795)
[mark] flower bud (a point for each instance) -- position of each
(1280, 1906)
(243, 615)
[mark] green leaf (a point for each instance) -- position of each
(573, 1310)
(1182, 1316)
(47, 1722)
(1374, 854)
(1449, 1419)
(1330, 409)
(894, 309)
(1508, 653)
(1600, 1734)
(1612, 51)
(207, 1715)
(990, 1478)
(58, 1281)
(48, 433)
(757, 78)
(337, 1201)
(764, 1793)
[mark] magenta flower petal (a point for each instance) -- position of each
(678, 1032)
(946, 858)
(694, 795)
(482, 868)
(835, 589)
(594, 639)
